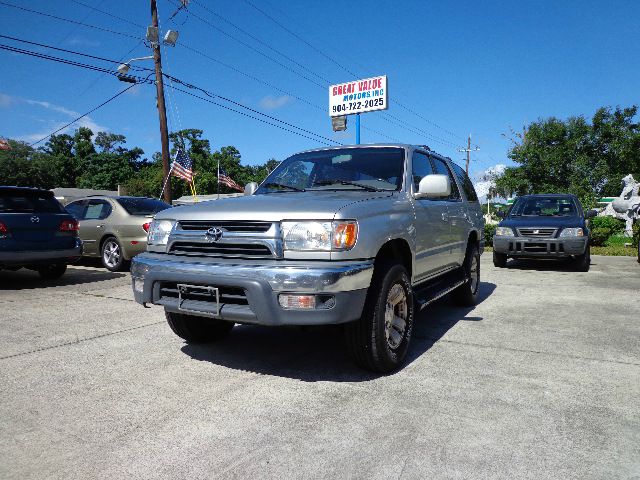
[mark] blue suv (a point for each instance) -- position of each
(36, 232)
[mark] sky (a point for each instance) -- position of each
(454, 68)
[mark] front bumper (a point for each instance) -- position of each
(253, 287)
(540, 246)
(41, 257)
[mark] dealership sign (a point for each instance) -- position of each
(358, 96)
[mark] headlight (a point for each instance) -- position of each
(159, 231)
(319, 236)
(504, 232)
(572, 232)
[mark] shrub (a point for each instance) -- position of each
(489, 231)
(599, 236)
(614, 224)
(636, 234)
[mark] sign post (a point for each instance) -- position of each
(358, 96)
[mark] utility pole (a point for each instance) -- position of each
(468, 150)
(162, 110)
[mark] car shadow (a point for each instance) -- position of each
(28, 279)
(542, 265)
(314, 354)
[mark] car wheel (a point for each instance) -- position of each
(379, 340)
(196, 329)
(52, 272)
(583, 262)
(467, 293)
(499, 259)
(112, 255)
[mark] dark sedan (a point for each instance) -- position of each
(544, 226)
(36, 232)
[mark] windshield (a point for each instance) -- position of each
(340, 169)
(544, 207)
(142, 206)
(28, 202)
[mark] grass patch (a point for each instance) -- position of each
(618, 241)
(615, 250)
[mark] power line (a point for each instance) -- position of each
(253, 117)
(68, 20)
(108, 14)
(84, 114)
(117, 62)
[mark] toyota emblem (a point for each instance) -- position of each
(214, 234)
(35, 219)
(536, 232)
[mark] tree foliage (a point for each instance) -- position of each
(102, 161)
(576, 156)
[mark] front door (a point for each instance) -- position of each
(92, 225)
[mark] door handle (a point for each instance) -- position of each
(99, 226)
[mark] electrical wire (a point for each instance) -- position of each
(95, 9)
(68, 20)
(84, 114)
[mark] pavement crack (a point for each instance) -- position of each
(81, 340)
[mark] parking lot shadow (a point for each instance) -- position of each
(28, 279)
(542, 265)
(313, 354)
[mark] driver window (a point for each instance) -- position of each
(97, 210)
(421, 167)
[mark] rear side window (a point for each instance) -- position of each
(142, 206)
(465, 181)
(441, 168)
(28, 202)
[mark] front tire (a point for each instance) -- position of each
(379, 340)
(466, 295)
(194, 329)
(112, 255)
(499, 259)
(52, 272)
(583, 262)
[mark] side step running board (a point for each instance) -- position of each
(429, 293)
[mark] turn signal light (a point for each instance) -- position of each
(297, 301)
(146, 226)
(69, 226)
(345, 235)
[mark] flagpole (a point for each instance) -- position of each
(218, 179)
(167, 179)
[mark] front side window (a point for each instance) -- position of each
(441, 168)
(97, 210)
(76, 209)
(421, 167)
(339, 169)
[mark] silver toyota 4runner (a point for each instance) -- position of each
(359, 235)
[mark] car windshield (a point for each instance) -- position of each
(544, 207)
(28, 202)
(358, 169)
(142, 206)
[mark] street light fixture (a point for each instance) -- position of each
(124, 68)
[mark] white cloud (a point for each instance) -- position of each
(487, 180)
(83, 42)
(6, 100)
(271, 103)
(53, 107)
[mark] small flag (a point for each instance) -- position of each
(225, 179)
(182, 166)
(4, 144)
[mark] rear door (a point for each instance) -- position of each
(432, 225)
(92, 224)
(32, 219)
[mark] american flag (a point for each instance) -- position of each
(225, 179)
(182, 166)
(4, 144)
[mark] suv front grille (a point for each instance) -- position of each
(536, 232)
(241, 226)
(221, 249)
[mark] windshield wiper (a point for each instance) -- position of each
(282, 185)
(368, 188)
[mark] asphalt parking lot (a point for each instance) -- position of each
(540, 380)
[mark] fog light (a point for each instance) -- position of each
(297, 301)
(138, 285)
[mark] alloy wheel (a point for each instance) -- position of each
(395, 316)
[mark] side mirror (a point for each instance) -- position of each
(250, 188)
(434, 186)
(591, 213)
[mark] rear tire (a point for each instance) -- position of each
(52, 272)
(466, 295)
(196, 329)
(583, 262)
(112, 255)
(499, 259)
(379, 340)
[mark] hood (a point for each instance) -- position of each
(542, 221)
(273, 207)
